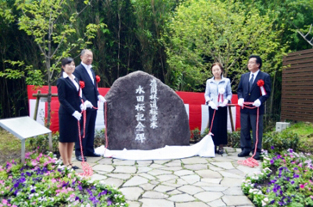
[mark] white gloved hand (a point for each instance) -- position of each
(257, 103)
(88, 104)
(225, 102)
(212, 105)
(240, 102)
(101, 99)
(77, 115)
(82, 107)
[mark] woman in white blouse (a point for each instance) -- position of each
(217, 95)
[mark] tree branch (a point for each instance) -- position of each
(304, 36)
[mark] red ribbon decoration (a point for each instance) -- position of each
(82, 84)
(260, 83)
(98, 78)
(220, 98)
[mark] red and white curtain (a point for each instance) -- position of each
(194, 103)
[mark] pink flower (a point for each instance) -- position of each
(302, 186)
(4, 201)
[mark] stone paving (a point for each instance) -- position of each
(188, 182)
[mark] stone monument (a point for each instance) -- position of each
(144, 113)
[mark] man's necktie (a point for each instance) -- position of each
(251, 81)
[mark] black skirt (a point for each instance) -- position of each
(68, 127)
(219, 128)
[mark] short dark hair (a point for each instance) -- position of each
(258, 60)
(66, 61)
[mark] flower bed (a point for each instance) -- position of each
(286, 180)
(41, 182)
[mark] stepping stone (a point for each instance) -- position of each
(182, 198)
(156, 203)
(131, 193)
(135, 181)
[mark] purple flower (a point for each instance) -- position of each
(16, 184)
(295, 175)
(272, 162)
(272, 147)
(65, 184)
(109, 202)
(272, 202)
(80, 187)
(103, 193)
(15, 192)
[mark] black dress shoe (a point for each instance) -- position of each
(257, 156)
(80, 158)
(74, 167)
(243, 154)
(93, 155)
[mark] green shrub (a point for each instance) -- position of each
(206, 131)
(99, 138)
(279, 141)
(195, 136)
(233, 139)
(41, 143)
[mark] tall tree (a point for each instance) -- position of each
(202, 32)
(51, 26)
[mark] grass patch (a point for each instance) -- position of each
(10, 146)
(303, 129)
(305, 132)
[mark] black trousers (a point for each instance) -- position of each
(248, 122)
(88, 141)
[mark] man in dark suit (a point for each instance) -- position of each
(84, 72)
(249, 91)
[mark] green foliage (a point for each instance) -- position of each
(279, 141)
(305, 132)
(203, 32)
(285, 180)
(41, 143)
(195, 135)
(99, 138)
(42, 181)
(292, 16)
(51, 26)
(233, 139)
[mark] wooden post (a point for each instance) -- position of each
(37, 105)
(231, 118)
(38, 96)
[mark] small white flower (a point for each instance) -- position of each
(263, 203)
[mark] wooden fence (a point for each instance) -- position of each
(297, 86)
